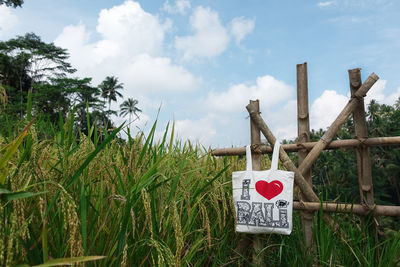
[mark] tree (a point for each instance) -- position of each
(37, 59)
(129, 107)
(25, 62)
(84, 97)
(109, 89)
(13, 3)
(3, 97)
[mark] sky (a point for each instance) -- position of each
(198, 63)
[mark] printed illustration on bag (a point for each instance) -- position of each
(255, 213)
(263, 199)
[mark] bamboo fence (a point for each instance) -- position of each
(308, 153)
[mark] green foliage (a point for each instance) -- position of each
(13, 3)
(26, 62)
(109, 89)
(129, 107)
(38, 59)
(141, 202)
(8, 151)
(335, 171)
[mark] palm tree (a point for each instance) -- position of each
(109, 89)
(129, 107)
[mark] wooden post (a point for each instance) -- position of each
(255, 138)
(335, 126)
(303, 133)
(362, 152)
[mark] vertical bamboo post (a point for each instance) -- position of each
(362, 152)
(255, 137)
(303, 131)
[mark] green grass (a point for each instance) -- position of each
(146, 203)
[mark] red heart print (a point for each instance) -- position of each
(269, 190)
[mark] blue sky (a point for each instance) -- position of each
(203, 60)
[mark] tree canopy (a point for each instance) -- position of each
(13, 3)
(129, 107)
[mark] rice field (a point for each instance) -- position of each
(100, 200)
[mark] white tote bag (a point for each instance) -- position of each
(263, 199)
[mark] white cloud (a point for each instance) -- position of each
(325, 4)
(130, 47)
(201, 130)
(282, 119)
(76, 39)
(392, 98)
(181, 6)
(210, 36)
(267, 89)
(157, 74)
(326, 108)
(277, 107)
(377, 92)
(131, 28)
(7, 19)
(241, 27)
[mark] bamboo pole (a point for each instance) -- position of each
(303, 135)
(357, 209)
(362, 152)
(255, 139)
(336, 144)
(335, 126)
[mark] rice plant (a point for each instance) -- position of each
(82, 200)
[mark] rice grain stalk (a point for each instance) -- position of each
(147, 211)
(176, 223)
(2, 236)
(206, 223)
(124, 261)
(71, 223)
(10, 246)
(224, 205)
(214, 202)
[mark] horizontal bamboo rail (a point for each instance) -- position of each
(358, 209)
(337, 144)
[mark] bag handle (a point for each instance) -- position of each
(275, 156)
(249, 163)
